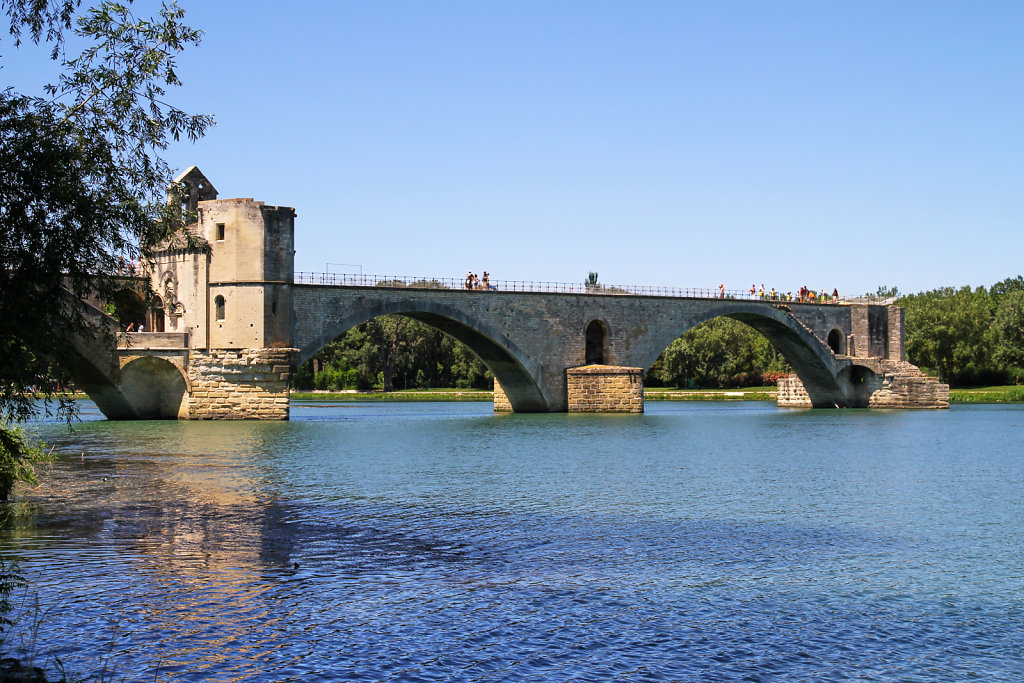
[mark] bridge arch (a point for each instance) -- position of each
(155, 387)
(507, 362)
(811, 359)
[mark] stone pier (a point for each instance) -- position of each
(240, 384)
(875, 383)
(605, 389)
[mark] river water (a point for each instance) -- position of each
(438, 541)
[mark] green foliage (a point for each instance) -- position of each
(719, 353)
(19, 457)
(81, 183)
(887, 292)
(392, 352)
(968, 336)
(948, 332)
(591, 279)
(1008, 329)
(11, 580)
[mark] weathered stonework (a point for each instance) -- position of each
(792, 393)
(501, 402)
(605, 389)
(240, 384)
(898, 384)
(876, 383)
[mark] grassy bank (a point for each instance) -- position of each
(402, 395)
(759, 394)
(745, 394)
(1007, 394)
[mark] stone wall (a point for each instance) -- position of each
(792, 393)
(501, 402)
(897, 340)
(870, 330)
(903, 385)
(605, 389)
(876, 383)
(240, 384)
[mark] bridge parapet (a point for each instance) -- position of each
(153, 340)
(551, 287)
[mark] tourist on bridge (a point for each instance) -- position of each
(721, 291)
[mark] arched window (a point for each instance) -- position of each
(835, 341)
(157, 314)
(597, 339)
(219, 304)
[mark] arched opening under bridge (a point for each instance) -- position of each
(719, 353)
(811, 360)
(478, 350)
(154, 387)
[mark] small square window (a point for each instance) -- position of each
(220, 232)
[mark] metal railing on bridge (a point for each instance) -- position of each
(416, 282)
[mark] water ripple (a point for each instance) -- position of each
(472, 548)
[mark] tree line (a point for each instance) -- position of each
(966, 336)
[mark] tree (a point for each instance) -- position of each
(1008, 328)
(720, 352)
(419, 356)
(81, 183)
(947, 330)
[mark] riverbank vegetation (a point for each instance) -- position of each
(393, 352)
(1005, 394)
(968, 336)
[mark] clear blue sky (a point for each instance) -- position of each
(671, 143)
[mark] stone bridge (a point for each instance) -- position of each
(533, 342)
(227, 324)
